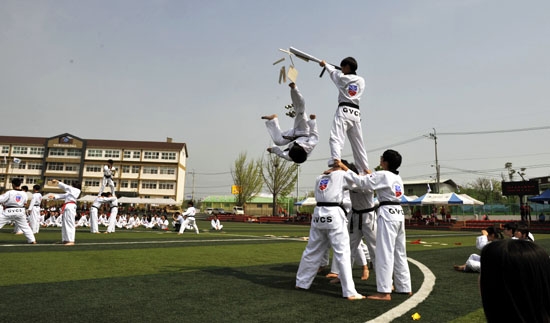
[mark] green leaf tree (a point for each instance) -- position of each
(247, 176)
(280, 177)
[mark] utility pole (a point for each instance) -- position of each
(193, 190)
(437, 172)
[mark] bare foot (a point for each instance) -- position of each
(357, 297)
(312, 116)
(69, 243)
(332, 275)
(405, 293)
(459, 268)
(380, 297)
(271, 117)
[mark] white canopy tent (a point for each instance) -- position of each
(133, 200)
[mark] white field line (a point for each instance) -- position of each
(417, 298)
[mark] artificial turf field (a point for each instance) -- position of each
(244, 274)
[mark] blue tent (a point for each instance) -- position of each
(543, 198)
(439, 199)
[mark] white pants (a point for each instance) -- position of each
(94, 221)
(112, 220)
(18, 216)
(276, 134)
(34, 219)
(107, 181)
(190, 220)
(473, 263)
(67, 225)
(391, 257)
(368, 231)
(319, 242)
(340, 127)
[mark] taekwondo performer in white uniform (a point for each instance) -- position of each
(391, 253)
(189, 218)
(347, 119)
(301, 139)
(113, 203)
(68, 211)
(14, 209)
(34, 209)
(329, 228)
(361, 224)
(108, 173)
(94, 209)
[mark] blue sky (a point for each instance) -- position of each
(201, 72)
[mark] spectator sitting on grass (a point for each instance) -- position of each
(215, 223)
(473, 264)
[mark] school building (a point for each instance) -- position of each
(144, 169)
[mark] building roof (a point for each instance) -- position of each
(100, 143)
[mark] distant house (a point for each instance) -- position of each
(259, 205)
(420, 188)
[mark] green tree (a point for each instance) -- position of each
(280, 177)
(485, 189)
(247, 176)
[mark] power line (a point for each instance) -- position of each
(492, 131)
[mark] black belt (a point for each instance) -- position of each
(389, 203)
(348, 104)
(107, 176)
(95, 207)
(360, 212)
(332, 204)
(13, 207)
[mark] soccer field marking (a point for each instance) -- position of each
(240, 238)
(413, 301)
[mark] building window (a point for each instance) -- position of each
(135, 169)
(56, 152)
(167, 170)
(21, 165)
(127, 154)
(55, 166)
(112, 153)
(151, 155)
(125, 169)
(150, 170)
(74, 152)
(169, 156)
(31, 180)
(124, 184)
(5, 150)
(166, 186)
(91, 183)
(133, 184)
(36, 166)
(18, 150)
(137, 154)
(149, 185)
(95, 153)
(72, 167)
(37, 151)
(93, 168)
